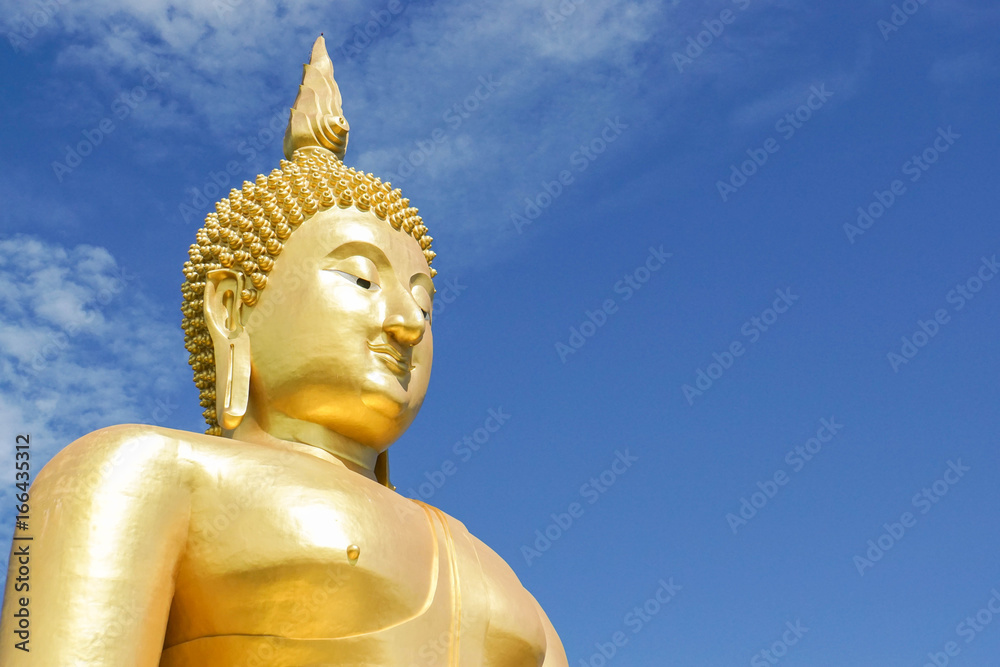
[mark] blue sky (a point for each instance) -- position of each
(679, 183)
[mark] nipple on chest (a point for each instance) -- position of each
(353, 553)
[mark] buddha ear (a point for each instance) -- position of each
(224, 319)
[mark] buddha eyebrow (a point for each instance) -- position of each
(352, 248)
(424, 281)
(374, 253)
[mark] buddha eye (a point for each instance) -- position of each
(363, 283)
(423, 300)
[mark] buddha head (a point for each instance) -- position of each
(309, 292)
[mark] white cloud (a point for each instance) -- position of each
(81, 347)
(773, 105)
(225, 63)
(228, 64)
(76, 326)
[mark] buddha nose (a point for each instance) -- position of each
(407, 328)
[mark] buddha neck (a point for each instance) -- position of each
(309, 438)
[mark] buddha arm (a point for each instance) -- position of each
(555, 654)
(108, 521)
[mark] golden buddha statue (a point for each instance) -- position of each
(276, 539)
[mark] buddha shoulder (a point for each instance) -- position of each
(518, 627)
(156, 453)
(144, 462)
(501, 578)
(117, 459)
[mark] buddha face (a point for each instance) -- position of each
(341, 336)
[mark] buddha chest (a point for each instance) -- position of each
(298, 561)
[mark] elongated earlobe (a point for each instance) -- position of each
(231, 343)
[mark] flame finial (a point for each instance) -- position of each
(317, 119)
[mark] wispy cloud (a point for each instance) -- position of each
(215, 56)
(774, 104)
(81, 347)
(77, 332)
(228, 64)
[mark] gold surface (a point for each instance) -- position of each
(280, 542)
